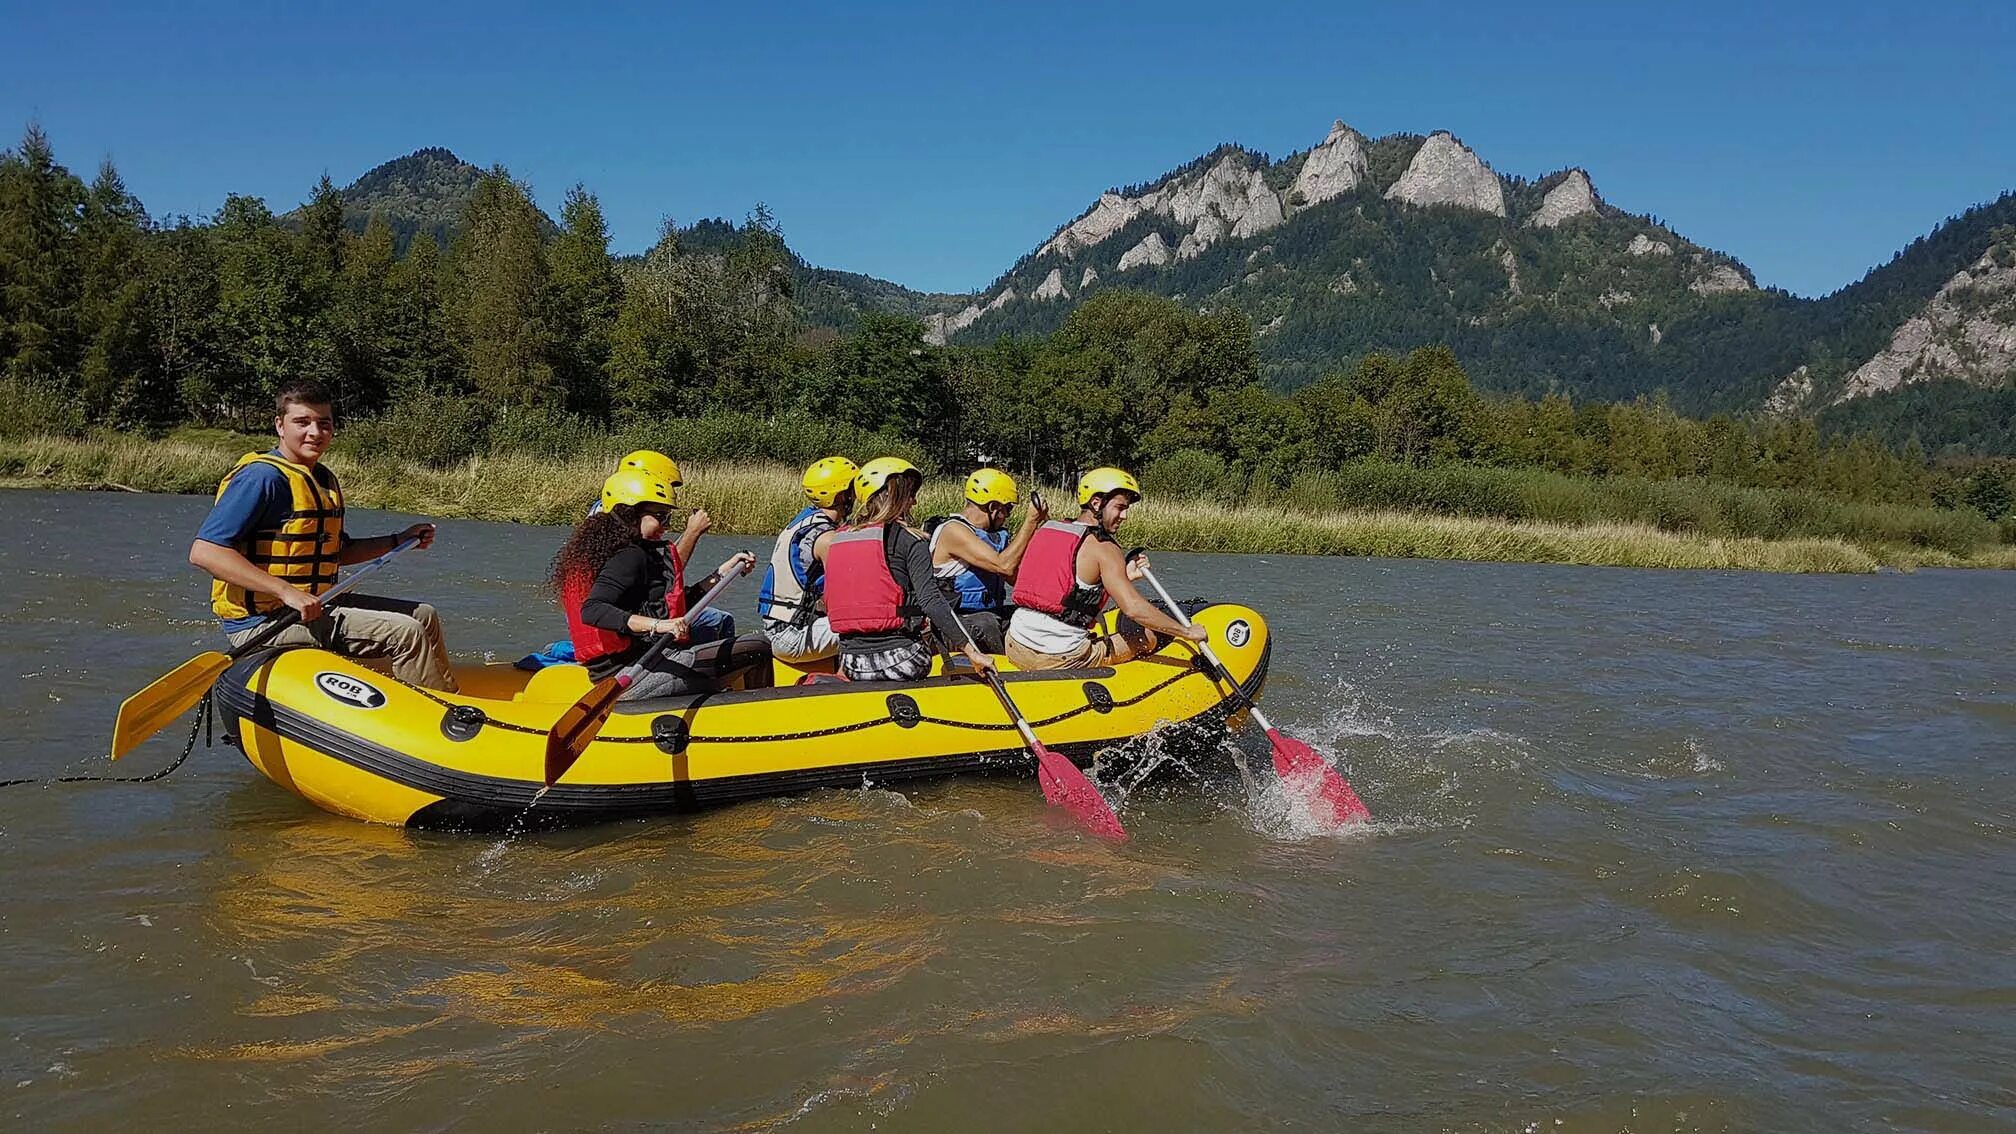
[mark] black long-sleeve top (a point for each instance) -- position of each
(633, 581)
(910, 564)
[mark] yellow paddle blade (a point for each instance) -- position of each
(149, 711)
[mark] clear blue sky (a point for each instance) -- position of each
(932, 144)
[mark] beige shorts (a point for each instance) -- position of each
(1107, 649)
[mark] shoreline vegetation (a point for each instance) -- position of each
(1598, 522)
(495, 365)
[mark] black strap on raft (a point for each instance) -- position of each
(200, 725)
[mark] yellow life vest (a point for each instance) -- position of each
(303, 549)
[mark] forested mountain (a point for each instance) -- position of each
(425, 191)
(826, 298)
(1360, 245)
(1353, 248)
(1363, 245)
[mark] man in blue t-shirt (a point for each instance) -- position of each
(275, 538)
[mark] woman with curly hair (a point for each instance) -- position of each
(617, 584)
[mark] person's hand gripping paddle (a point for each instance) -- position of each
(1303, 771)
(149, 711)
(578, 727)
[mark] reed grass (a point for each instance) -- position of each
(759, 499)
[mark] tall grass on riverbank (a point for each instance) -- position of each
(756, 499)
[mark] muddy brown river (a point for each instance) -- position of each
(1664, 851)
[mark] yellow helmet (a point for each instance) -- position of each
(652, 463)
(1104, 481)
(828, 478)
(991, 486)
(634, 487)
(877, 472)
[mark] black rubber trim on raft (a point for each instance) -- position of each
(827, 689)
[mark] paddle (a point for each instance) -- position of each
(578, 727)
(1306, 773)
(148, 711)
(1064, 785)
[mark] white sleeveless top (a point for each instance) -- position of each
(1045, 633)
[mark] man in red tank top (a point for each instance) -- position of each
(1069, 574)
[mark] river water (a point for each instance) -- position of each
(1654, 851)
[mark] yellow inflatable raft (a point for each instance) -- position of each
(354, 741)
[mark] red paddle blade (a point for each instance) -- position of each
(1311, 777)
(1066, 787)
(578, 727)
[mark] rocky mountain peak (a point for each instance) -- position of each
(1108, 215)
(1445, 172)
(1152, 250)
(1574, 197)
(1967, 331)
(1336, 166)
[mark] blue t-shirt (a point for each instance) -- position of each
(257, 498)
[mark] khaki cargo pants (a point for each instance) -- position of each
(392, 634)
(1132, 641)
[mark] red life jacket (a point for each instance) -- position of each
(862, 594)
(675, 587)
(1048, 578)
(592, 642)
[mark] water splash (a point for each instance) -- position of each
(1414, 774)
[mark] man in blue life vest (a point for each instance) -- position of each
(713, 624)
(973, 557)
(275, 538)
(792, 601)
(1068, 575)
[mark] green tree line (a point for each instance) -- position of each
(518, 336)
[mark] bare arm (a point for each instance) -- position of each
(957, 541)
(697, 525)
(915, 567)
(1031, 520)
(1112, 567)
(371, 547)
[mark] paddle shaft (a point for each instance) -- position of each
(290, 616)
(1000, 690)
(1217, 667)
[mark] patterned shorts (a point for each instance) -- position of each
(903, 663)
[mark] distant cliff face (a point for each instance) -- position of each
(1966, 332)
(1573, 197)
(1445, 172)
(1387, 243)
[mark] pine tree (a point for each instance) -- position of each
(421, 357)
(272, 314)
(500, 292)
(322, 227)
(365, 328)
(636, 372)
(182, 313)
(39, 205)
(585, 298)
(121, 379)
